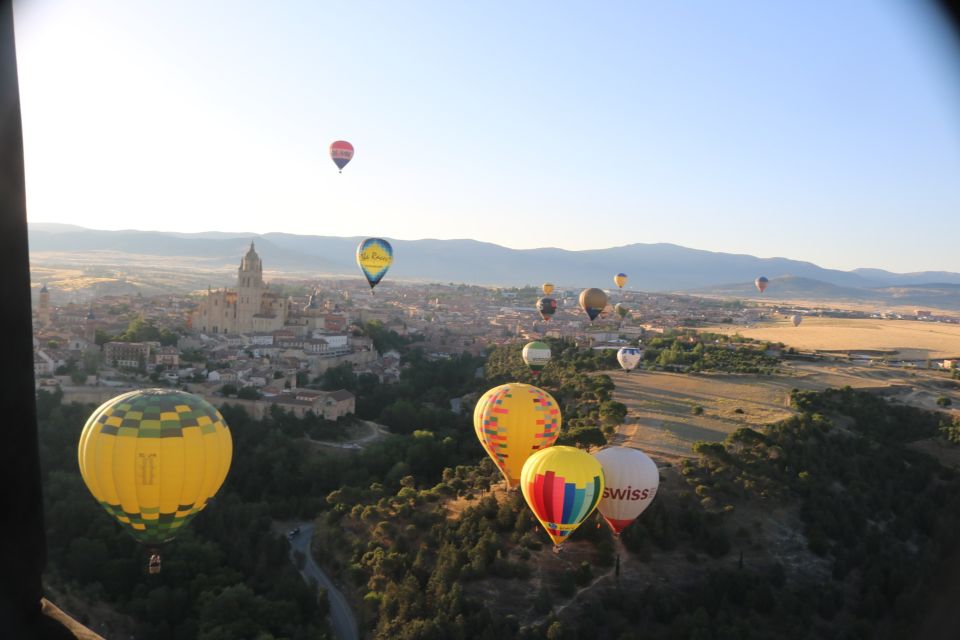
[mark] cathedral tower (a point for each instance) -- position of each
(43, 313)
(249, 290)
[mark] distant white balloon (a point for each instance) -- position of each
(629, 357)
(796, 320)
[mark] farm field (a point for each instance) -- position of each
(660, 405)
(906, 339)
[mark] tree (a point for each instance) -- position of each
(249, 393)
(228, 389)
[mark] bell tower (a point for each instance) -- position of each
(43, 313)
(249, 289)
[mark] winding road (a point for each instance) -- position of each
(341, 616)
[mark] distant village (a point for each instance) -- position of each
(262, 345)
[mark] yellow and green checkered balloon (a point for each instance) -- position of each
(153, 459)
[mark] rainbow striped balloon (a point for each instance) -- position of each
(562, 486)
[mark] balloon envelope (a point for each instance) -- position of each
(517, 420)
(621, 310)
(796, 320)
(374, 256)
(631, 479)
(629, 357)
(153, 458)
(536, 355)
(478, 418)
(562, 486)
(620, 279)
(341, 152)
(593, 301)
(761, 284)
(546, 307)
(547, 288)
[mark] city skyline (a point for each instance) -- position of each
(759, 131)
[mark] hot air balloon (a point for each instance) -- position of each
(761, 283)
(341, 152)
(562, 486)
(515, 421)
(796, 320)
(536, 355)
(546, 307)
(593, 301)
(478, 418)
(620, 279)
(631, 484)
(629, 357)
(374, 255)
(153, 458)
(547, 288)
(621, 310)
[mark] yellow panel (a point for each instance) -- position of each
(101, 464)
(211, 466)
(173, 472)
(193, 460)
(124, 453)
(85, 458)
(226, 444)
(147, 472)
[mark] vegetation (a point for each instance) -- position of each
(877, 518)
(225, 576)
(694, 352)
(139, 331)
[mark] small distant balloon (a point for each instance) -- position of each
(762, 283)
(374, 256)
(341, 152)
(629, 357)
(593, 301)
(536, 355)
(796, 320)
(546, 307)
(621, 310)
(620, 279)
(547, 288)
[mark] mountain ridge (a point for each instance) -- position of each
(655, 267)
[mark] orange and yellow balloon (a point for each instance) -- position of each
(547, 288)
(515, 421)
(562, 486)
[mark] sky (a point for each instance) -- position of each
(823, 131)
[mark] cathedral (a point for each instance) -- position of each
(252, 308)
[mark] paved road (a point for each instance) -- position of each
(341, 616)
(376, 431)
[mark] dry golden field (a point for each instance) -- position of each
(909, 339)
(660, 405)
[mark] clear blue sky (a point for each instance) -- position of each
(821, 130)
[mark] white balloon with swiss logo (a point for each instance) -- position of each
(632, 479)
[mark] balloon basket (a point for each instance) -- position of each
(153, 564)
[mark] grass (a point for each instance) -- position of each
(908, 339)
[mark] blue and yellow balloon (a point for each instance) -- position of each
(374, 256)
